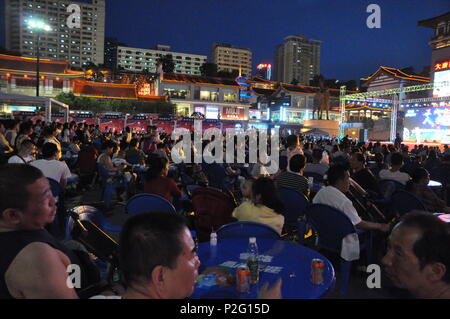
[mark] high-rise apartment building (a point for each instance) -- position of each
(231, 59)
(297, 59)
(137, 60)
(77, 29)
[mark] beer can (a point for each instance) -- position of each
(243, 279)
(317, 269)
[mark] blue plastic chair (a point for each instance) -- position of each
(56, 228)
(294, 207)
(389, 187)
(332, 226)
(190, 189)
(108, 186)
(246, 229)
(134, 160)
(93, 214)
(403, 202)
(142, 203)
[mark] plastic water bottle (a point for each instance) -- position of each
(213, 239)
(253, 261)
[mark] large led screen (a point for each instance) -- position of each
(430, 125)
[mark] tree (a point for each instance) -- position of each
(228, 74)
(208, 69)
(167, 63)
(322, 99)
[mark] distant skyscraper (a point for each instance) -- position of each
(264, 71)
(137, 60)
(77, 29)
(231, 59)
(298, 58)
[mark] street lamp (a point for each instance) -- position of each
(38, 26)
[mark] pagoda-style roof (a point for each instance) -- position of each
(197, 79)
(395, 73)
(23, 65)
(433, 22)
(259, 91)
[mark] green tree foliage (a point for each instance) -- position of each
(167, 63)
(98, 105)
(208, 69)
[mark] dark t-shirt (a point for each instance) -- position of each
(366, 180)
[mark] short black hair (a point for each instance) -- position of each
(336, 173)
(297, 162)
(49, 150)
(396, 159)
(14, 178)
(317, 154)
(108, 144)
(148, 240)
(360, 157)
(291, 140)
(434, 244)
(134, 142)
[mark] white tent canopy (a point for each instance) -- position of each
(26, 100)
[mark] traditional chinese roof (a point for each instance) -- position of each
(196, 79)
(22, 65)
(396, 73)
(258, 79)
(259, 91)
(433, 22)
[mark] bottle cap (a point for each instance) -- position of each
(252, 240)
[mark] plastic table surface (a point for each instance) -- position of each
(290, 261)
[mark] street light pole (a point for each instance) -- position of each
(38, 26)
(37, 65)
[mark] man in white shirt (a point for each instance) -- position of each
(334, 195)
(394, 172)
(25, 155)
(52, 168)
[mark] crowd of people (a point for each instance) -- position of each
(351, 175)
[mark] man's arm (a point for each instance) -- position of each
(39, 272)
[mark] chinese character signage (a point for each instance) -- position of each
(441, 66)
(233, 113)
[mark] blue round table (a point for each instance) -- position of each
(290, 261)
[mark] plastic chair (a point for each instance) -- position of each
(212, 209)
(142, 203)
(191, 188)
(246, 229)
(332, 226)
(92, 214)
(134, 160)
(294, 207)
(403, 202)
(57, 227)
(108, 185)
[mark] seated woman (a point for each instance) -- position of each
(156, 180)
(265, 207)
(418, 185)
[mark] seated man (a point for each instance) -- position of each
(25, 155)
(334, 195)
(51, 167)
(294, 178)
(168, 274)
(33, 264)
(418, 256)
(134, 155)
(394, 172)
(362, 175)
(316, 166)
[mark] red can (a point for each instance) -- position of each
(317, 269)
(243, 279)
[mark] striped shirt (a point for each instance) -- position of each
(293, 181)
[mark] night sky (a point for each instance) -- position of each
(350, 50)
